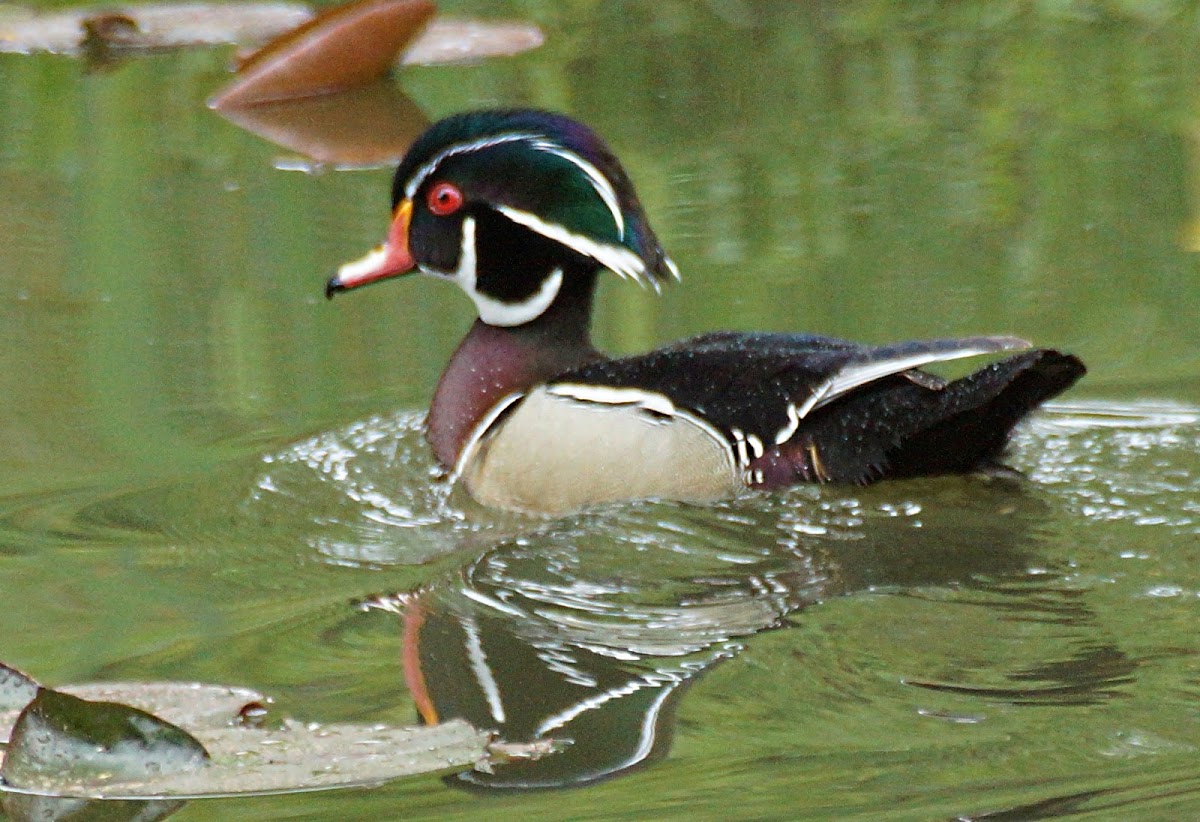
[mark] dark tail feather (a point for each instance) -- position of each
(974, 416)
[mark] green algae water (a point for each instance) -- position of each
(209, 473)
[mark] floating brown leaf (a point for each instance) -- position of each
(346, 47)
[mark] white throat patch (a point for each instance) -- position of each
(491, 310)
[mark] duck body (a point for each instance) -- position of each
(522, 209)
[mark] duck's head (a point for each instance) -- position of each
(517, 207)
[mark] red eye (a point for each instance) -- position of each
(444, 198)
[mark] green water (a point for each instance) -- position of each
(204, 465)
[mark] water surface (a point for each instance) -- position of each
(207, 472)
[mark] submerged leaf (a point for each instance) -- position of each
(69, 747)
(59, 737)
(345, 47)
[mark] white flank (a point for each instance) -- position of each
(599, 182)
(619, 259)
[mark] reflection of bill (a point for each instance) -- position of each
(588, 649)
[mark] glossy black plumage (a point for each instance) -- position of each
(906, 424)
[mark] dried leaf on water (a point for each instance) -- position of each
(448, 41)
(345, 47)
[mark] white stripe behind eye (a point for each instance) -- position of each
(424, 171)
(619, 259)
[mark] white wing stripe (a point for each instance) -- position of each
(852, 375)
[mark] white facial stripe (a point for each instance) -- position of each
(424, 171)
(491, 310)
(619, 259)
(498, 312)
(599, 181)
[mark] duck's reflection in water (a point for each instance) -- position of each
(586, 642)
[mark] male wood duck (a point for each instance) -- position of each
(522, 209)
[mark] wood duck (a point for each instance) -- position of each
(522, 209)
